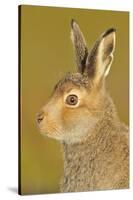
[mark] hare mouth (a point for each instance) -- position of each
(51, 132)
(53, 135)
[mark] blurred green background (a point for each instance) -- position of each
(46, 55)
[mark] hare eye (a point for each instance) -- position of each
(72, 100)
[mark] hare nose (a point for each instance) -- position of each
(40, 117)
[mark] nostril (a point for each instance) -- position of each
(40, 117)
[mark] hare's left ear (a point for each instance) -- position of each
(101, 56)
(80, 47)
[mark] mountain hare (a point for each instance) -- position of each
(82, 116)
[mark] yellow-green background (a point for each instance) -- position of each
(46, 55)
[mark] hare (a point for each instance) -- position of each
(82, 116)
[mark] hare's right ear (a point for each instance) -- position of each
(79, 45)
(100, 58)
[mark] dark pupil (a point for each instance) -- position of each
(72, 99)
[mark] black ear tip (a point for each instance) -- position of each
(72, 22)
(111, 30)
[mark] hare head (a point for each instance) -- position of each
(78, 99)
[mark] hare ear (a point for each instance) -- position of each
(79, 45)
(99, 61)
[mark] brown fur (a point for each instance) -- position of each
(94, 142)
(101, 160)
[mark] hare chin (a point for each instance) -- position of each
(52, 135)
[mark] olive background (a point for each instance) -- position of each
(46, 54)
